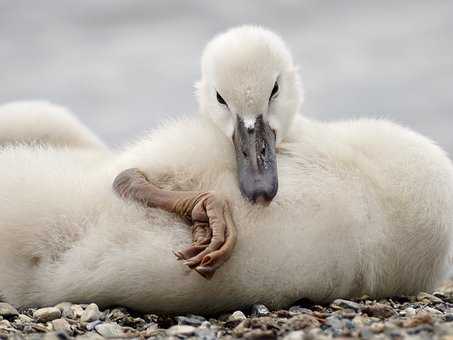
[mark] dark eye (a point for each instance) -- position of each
(220, 99)
(274, 90)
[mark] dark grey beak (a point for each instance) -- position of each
(256, 161)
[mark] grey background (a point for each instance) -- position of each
(123, 66)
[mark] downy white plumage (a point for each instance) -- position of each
(363, 207)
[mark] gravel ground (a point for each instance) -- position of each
(425, 316)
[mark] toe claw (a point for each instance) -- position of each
(206, 272)
(191, 264)
(178, 255)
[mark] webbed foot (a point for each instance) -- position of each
(214, 233)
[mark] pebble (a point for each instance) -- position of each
(295, 310)
(206, 324)
(341, 303)
(46, 314)
(5, 324)
(379, 310)
(430, 298)
(61, 325)
(377, 327)
(92, 325)
(65, 309)
(110, 330)
(303, 321)
(268, 324)
(237, 316)
(432, 310)
(191, 320)
(181, 330)
(7, 311)
(259, 310)
(91, 313)
(335, 324)
(295, 335)
(152, 330)
(24, 318)
(410, 311)
(77, 311)
(419, 319)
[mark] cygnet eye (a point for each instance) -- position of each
(220, 99)
(274, 91)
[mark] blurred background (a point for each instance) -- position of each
(123, 66)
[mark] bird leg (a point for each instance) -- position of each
(213, 231)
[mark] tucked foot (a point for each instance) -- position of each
(214, 233)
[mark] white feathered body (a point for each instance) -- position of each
(363, 207)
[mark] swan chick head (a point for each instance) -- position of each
(251, 90)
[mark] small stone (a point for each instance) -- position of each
(237, 316)
(63, 305)
(303, 321)
(259, 310)
(425, 328)
(377, 327)
(428, 297)
(296, 310)
(379, 310)
(28, 329)
(410, 311)
(55, 336)
(334, 322)
(317, 334)
(7, 311)
(110, 330)
(360, 321)
(92, 325)
(206, 324)
(5, 324)
(41, 328)
(191, 320)
(65, 309)
(342, 304)
(441, 295)
(366, 333)
(263, 323)
(419, 319)
(91, 313)
(432, 311)
(282, 313)
(24, 318)
(206, 334)
(152, 330)
(132, 322)
(46, 314)
(181, 330)
(258, 334)
(295, 335)
(349, 324)
(61, 325)
(77, 311)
